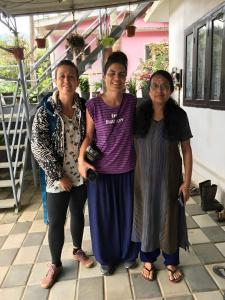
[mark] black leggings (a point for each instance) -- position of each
(57, 209)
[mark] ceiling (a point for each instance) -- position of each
(25, 7)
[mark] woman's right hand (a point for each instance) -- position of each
(66, 183)
(83, 166)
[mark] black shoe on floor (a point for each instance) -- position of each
(106, 270)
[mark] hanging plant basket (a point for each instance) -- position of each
(131, 30)
(41, 42)
(75, 41)
(18, 53)
(107, 42)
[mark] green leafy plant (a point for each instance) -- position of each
(7, 87)
(158, 59)
(131, 86)
(84, 84)
(45, 85)
(97, 86)
(107, 41)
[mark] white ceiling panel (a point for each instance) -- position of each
(25, 7)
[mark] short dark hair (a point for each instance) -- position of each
(66, 62)
(117, 57)
(164, 74)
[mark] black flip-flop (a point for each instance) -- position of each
(178, 279)
(152, 269)
(219, 270)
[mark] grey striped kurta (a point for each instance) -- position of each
(159, 221)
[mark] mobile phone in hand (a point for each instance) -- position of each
(181, 199)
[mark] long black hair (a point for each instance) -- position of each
(173, 114)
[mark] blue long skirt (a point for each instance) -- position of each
(110, 202)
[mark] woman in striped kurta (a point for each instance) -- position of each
(159, 218)
(110, 197)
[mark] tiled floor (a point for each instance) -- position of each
(24, 256)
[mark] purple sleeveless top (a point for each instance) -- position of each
(117, 147)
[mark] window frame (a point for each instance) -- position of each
(193, 29)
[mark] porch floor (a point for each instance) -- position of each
(24, 256)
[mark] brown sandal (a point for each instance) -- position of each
(150, 276)
(176, 270)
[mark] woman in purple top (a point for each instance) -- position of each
(110, 197)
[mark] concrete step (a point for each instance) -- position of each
(15, 147)
(12, 131)
(14, 116)
(5, 203)
(8, 183)
(4, 165)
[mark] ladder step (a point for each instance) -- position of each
(8, 183)
(12, 131)
(14, 116)
(6, 203)
(15, 147)
(5, 165)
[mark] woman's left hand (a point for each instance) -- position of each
(184, 189)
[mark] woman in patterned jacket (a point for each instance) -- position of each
(57, 152)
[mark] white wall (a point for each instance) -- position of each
(207, 125)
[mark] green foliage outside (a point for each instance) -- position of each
(107, 41)
(158, 60)
(44, 85)
(84, 84)
(8, 64)
(9, 69)
(131, 86)
(98, 85)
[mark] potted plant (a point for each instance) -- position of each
(131, 30)
(84, 87)
(41, 42)
(17, 50)
(131, 86)
(77, 44)
(107, 41)
(97, 88)
(75, 41)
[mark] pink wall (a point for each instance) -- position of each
(134, 47)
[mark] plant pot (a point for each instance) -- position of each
(41, 42)
(18, 53)
(76, 41)
(131, 30)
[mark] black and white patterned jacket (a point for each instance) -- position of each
(48, 149)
